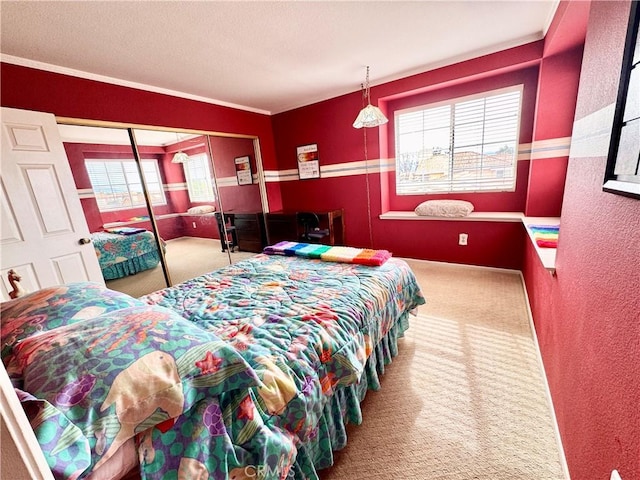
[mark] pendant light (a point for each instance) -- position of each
(369, 116)
(179, 157)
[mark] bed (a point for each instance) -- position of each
(125, 251)
(299, 340)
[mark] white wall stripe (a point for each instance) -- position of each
(552, 148)
(592, 134)
(85, 193)
(174, 187)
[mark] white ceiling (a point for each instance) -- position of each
(265, 56)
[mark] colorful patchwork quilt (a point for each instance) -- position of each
(361, 256)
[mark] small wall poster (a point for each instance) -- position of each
(243, 171)
(308, 161)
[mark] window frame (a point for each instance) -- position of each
(452, 103)
(627, 185)
(151, 161)
(211, 197)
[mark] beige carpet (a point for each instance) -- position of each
(187, 257)
(465, 397)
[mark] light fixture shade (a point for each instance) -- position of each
(370, 116)
(180, 157)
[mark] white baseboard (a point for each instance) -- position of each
(563, 458)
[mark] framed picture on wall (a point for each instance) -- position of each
(622, 174)
(243, 170)
(308, 161)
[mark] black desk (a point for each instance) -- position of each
(283, 226)
(245, 231)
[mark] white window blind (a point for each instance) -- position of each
(199, 182)
(464, 145)
(117, 185)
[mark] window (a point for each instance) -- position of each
(117, 185)
(466, 144)
(198, 175)
(623, 165)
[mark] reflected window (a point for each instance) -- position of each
(117, 185)
(198, 175)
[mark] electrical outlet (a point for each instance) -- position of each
(194, 224)
(615, 475)
(462, 239)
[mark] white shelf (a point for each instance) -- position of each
(134, 222)
(547, 255)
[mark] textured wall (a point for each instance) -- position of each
(588, 317)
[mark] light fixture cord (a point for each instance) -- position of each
(366, 167)
(365, 98)
(367, 94)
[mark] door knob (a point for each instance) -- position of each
(84, 241)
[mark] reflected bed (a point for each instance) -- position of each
(126, 253)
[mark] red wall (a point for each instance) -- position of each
(235, 198)
(62, 95)
(328, 124)
(587, 317)
(555, 110)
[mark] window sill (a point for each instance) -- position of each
(547, 255)
(134, 222)
(472, 217)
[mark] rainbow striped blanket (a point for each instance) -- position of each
(361, 256)
(546, 236)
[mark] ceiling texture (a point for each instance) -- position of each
(262, 56)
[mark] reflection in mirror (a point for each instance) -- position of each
(110, 189)
(239, 196)
(206, 193)
(187, 221)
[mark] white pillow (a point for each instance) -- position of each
(444, 208)
(201, 209)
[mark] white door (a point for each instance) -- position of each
(43, 224)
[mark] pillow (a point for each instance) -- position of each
(201, 209)
(125, 371)
(57, 306)
(444, 208)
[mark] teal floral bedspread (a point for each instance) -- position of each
(121, 255)
(305, 326)
(94, 368)
(226, 376)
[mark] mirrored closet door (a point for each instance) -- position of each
(187, 219)
(113, 199)
(156, 209)
(239, 195)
